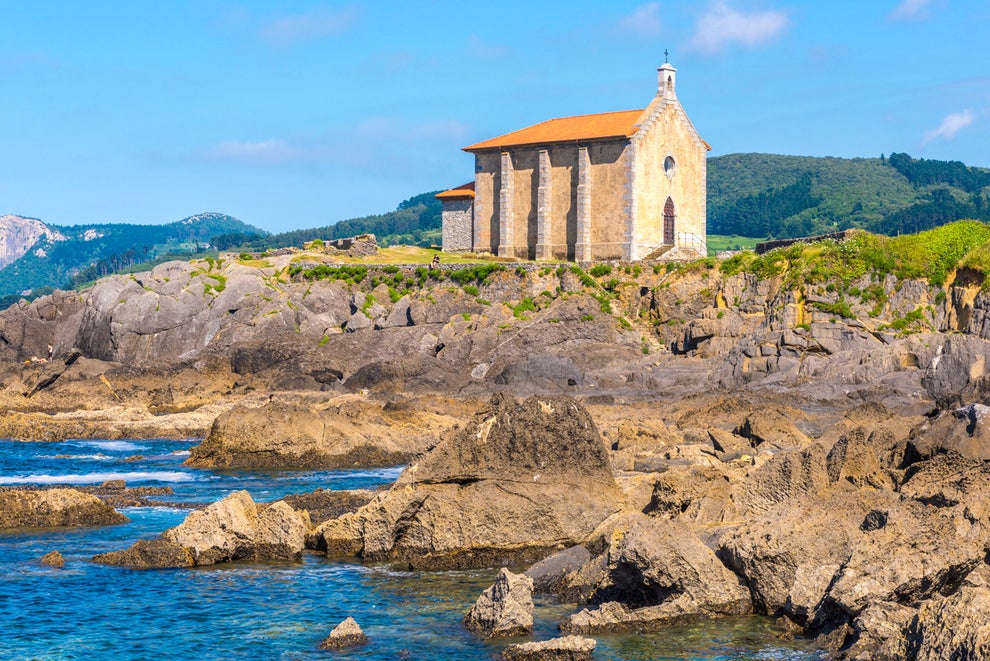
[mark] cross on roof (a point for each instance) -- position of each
(666, 56)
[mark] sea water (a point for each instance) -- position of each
(260, 610)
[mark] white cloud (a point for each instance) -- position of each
(951, 124)
(910, 9)
(264, 152)
(644, 20)
(319, 23)
(723, 25)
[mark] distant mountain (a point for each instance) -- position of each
(788, 196)
(37, 256)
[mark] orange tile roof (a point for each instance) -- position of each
(566, 129)
(462, 192)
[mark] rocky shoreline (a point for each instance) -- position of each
(711, 446)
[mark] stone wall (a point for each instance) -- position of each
(610, 169)
(487, 169)
(457, 220)
(667, 132)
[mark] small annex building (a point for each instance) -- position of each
(626, 185)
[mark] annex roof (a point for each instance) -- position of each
(620, 124)
(462, 192)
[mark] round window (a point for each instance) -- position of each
(668, 166)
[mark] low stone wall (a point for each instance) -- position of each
(767, 246)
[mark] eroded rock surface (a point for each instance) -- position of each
(505, 608)
(519, 480)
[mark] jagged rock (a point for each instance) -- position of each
(658, 572)
(53, 559)
(958, 371)
(566, 648)
(52, 508)
(879, 633)
(230, 529)
(520, 480)
(964, 431)
(505, 608)
(346, 634)
(954, 627)
(781, 556)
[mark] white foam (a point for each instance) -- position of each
(181, 453)
(98, 478)
(101, 456)
(110, 445)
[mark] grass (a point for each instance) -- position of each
(931, 255)
(720, 242)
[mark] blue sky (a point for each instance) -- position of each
(298, 114)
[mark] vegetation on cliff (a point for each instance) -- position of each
(931, 254)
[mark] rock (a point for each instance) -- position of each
(550, 574)
(964, 431)
(53, 559)
(567, 648)
(505, 608)
(879, 633)
(958, 371)
(324, 504)
(346, 634)
(230, 529)
(781, 556)
(53, 508)
(518, 481)
(954, 627)
(658, 572)
(786, 475)
(771, 427)
(148, 553)
(854, 458)
(346, 431)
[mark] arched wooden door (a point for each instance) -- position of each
(668, 222)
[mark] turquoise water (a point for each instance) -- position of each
(258, 611)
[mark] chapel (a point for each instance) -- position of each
(627, 185)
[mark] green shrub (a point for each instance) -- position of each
(599, 270)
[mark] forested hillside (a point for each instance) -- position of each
(788, 196)
(416, 221)
(92, 251)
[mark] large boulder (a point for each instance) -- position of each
(347, 431)
(519, 481)
(504, 609)
(657, 572)
(234, 528)
(53, 508)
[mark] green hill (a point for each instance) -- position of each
(789, 196)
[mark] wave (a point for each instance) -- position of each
(123, 446)
(180, 453)
(98, 478)
(100, 456)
